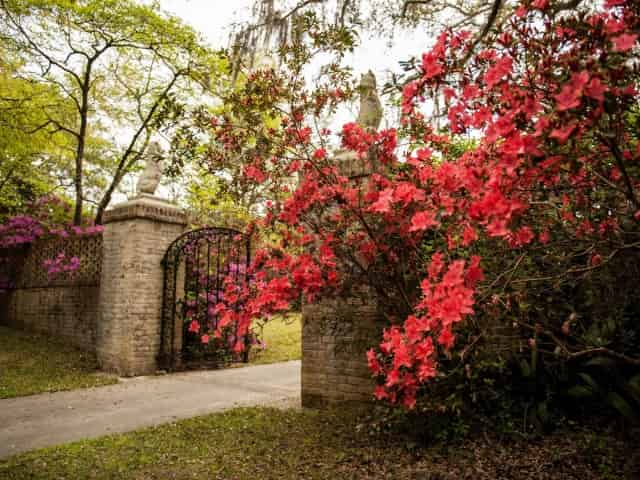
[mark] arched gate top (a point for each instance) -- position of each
(178, 246)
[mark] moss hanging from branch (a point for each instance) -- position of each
(275, 24)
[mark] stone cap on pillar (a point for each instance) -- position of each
(147, 207)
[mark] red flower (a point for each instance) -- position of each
(544, 237)
(372, 362)
(422, 221)
(426, 370)
(500, 69)
(595, 89)
(624, 42)
(425, 349)
(254, 173)
(540, 4)
(383, 204)
(474, 272)
(562, 134)
(431, 65)
(446, 338)
(401, 357)
(319, 154)
(381, 393)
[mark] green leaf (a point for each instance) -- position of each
(524, 368)
(580, 391)
(543, 412)
(271, 122)
(588, 379)
(621, 405)
(633, 387)
(601, 362)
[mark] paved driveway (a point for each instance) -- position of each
(49, 419)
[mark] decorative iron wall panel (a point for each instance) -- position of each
(88, 249)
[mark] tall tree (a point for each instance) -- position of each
(34, 160)
(125, 67)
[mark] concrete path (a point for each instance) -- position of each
(37, 421)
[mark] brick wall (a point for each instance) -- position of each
(69, 313)
(65, 306)
(112, 304)
(137, 235)
(336, 335)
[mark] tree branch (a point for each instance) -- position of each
(409, 3)
(604, 351)
(35, 47)
(124, 163)
(617, 154)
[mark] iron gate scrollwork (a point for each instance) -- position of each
(195, 266)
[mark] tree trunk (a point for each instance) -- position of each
(106, 199)
(77, 182)
(82, 135)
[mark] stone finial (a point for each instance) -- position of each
(370, 114)
(150, 178)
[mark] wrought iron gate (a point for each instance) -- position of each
(195, 266)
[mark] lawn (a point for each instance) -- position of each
(282, 338)
(267, 443)
(32, 364)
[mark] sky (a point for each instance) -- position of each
(213, 19)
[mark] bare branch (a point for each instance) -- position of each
(568, 5)
(33, 45)
(409, 3)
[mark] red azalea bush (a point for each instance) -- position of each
(538, 211)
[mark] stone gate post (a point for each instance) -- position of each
(336, 333)
(136, 236)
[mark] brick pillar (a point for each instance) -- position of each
(336, 333)
(136, 236)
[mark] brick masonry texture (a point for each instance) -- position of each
(66, 306)
(116, 309)
(69, 312)
(336, 335)
(136, 237)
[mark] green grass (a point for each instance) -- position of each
(32, 364)
(267, 443)
(282, 336)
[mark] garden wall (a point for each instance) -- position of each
(112, 303)
(66, 305)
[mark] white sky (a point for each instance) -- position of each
(213, 18)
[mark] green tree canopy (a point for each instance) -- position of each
(126, 69)
(34, 160)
